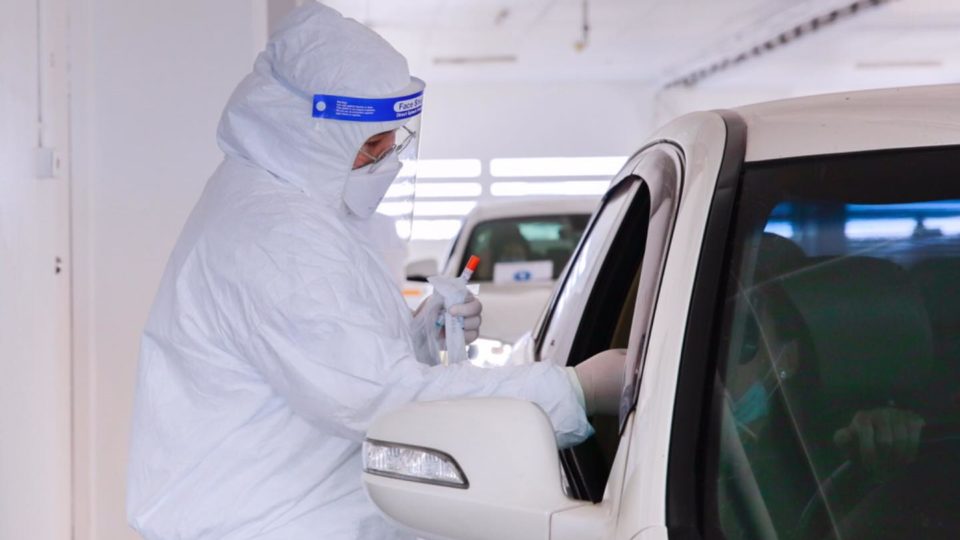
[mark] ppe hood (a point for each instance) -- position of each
(270, 119)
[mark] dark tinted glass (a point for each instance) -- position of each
(839, 361)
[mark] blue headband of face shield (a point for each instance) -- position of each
(357, 109)
(354, 109)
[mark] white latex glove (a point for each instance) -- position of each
(426, 335)
(470, 310)
(431, 306)
(601, 379)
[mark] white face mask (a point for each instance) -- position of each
(364, 190)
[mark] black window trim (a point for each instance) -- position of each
(587, 471)
(587, 481)
(626, 173)
(685, 467)
(541, 327)
(631, 390)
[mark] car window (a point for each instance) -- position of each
(835, 411)
(562, 317)
(612, 276)
(549, 240)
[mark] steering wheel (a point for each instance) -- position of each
(896, 501)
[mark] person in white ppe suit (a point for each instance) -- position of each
(278, 334)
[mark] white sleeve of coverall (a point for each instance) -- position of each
(336, 367)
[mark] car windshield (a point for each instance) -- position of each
(838, 410)
(523, 249)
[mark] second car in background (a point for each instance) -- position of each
(523, 247)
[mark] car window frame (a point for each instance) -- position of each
(693, 392)
(666, 205)
(562, 293)
(669, 168)
(657, 175)
(543, 324)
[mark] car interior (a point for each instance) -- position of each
(877, 328)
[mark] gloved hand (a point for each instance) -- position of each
(881, 439)
(470, 310)
(426, 335)
(431, 306)
(601, 379)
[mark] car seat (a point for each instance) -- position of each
(508, 235)
(869, 330)
(936, 281)
(867, 344)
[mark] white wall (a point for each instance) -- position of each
(150, 81)
(34, 298)
(550, 118)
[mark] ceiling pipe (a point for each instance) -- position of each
(584, 40)
(783, 38)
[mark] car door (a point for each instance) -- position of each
(608, 295)
(820, 397)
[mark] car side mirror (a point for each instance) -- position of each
(472, 469)
(421, 269)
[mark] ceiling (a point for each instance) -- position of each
(906, 42)
(645, 40)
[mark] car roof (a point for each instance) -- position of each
(861, 121)
(487, 210)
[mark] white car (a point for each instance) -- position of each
(523, 247)
(784, 277)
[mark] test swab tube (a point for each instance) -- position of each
(465, 276)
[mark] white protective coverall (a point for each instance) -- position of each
(277, 334)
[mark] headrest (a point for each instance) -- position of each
(776, 256)
(870, 331)
(936, 280)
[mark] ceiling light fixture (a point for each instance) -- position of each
(563, 188)
(460, 60)
(552, 167)
(899, 64)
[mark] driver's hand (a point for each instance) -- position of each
(881, 438)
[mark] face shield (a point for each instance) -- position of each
(398, 201)
(385, 181)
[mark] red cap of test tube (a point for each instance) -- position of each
(473, 262)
